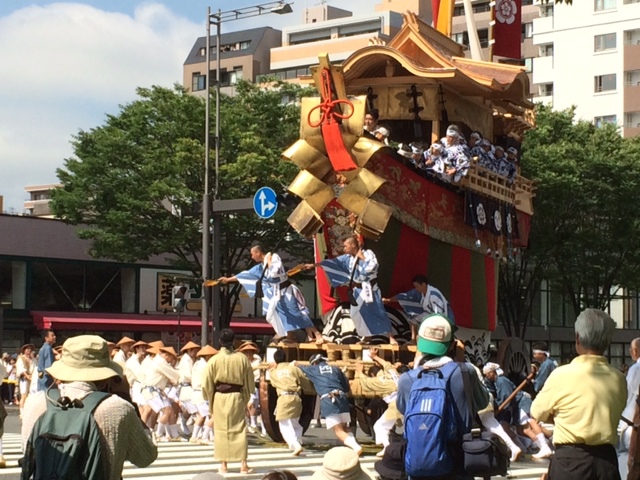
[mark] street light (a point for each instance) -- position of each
(280, 8)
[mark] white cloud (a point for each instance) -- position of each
(64, 66)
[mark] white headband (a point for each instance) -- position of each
(536, 351)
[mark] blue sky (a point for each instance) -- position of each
(65, 65)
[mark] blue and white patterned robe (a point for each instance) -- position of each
(416, 305)
(284, 308)
(369, 318)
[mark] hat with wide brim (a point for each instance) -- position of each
(125, 341)
(248, 346)
(156, 344)
(206, 351)
(85, 358)
(392, 463)
(169, 350)
(189, 346)
(342, 463)
(140, 344)
(28, 345)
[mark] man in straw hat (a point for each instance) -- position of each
(282, 303)
(134, 372)
(333, 387)
(342, 463)
(158, 382)
(185, 391)
(124, 344)
(25, 367)
(85, 367)
(290, 383)
(227, 385)
(202, 430)
(251, 350)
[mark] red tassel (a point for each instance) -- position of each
(340, 159)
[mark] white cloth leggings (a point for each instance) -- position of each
(291, 432)
(489, 422)
(381, 430)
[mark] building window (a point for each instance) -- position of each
(528, 64)
(458, 10)
(546, 10)
(201, 52)
(483, 37)
(604, 42)
(600, 5)
(527, 2)
(600, 121)
(231, 77)
(460, 38)
(527, 30)
(546, 50)
(545, 89)
(198, 82)
(605, 83)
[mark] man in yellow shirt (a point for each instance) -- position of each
(585, 400)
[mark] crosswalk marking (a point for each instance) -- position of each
(182, 461)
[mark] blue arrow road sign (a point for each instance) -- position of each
(265, 203)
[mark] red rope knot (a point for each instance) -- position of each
(330, 121)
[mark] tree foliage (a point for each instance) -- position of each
(585, 233)
(136, 182)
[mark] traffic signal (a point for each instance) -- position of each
(180, 295)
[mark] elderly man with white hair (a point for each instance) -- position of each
(585, 400)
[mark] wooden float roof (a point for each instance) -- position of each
(420, 51)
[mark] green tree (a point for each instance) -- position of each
(585, 233)
(135, 183)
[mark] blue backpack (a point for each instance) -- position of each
(432, 427)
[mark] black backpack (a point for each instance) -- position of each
(65, 441)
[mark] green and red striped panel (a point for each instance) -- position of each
(467, 278)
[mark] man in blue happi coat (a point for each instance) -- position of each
(358, 269)
(421, 301)
(332, 386)
(283, 304)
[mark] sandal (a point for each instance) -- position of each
(247, 471)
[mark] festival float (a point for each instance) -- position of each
(457, 233)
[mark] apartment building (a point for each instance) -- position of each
(329, 30)
(589, 56)
(243, 55)
(39, 200)
(482, 17)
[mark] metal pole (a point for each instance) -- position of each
(205, 197)
(217, 218)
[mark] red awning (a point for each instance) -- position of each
(139, 323)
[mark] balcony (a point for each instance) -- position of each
(543, 69)
(307, 53)
(632, 98)
(632, 56)
(631, 131)
(543, 25)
